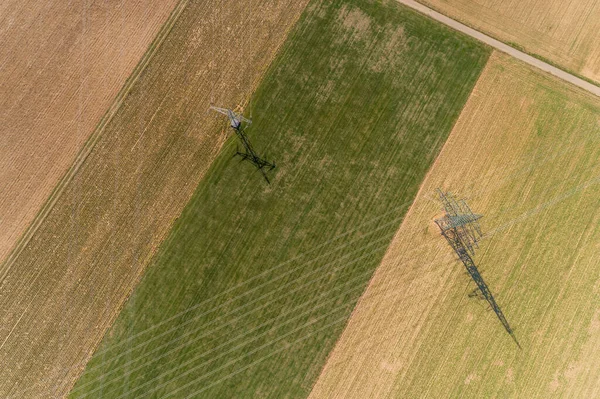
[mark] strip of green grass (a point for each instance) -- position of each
(251, 290)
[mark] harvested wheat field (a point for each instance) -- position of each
(525, 153)
(566, 33)
(66, 286)
(61, 66)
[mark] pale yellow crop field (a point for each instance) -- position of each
(565, 32)
(62, 65)
(525, 153)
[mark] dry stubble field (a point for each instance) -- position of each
(61, 66)
(67, 285)
(565, 32)
(525, 153)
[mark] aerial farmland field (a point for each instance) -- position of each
(61, 67)
(565, 32)
(64, 287)
(142, 256)
(525, 153)
(251, 289)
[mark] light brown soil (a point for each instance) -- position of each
(567, 32)
(66, 286)
(61, 66)
(525, 154)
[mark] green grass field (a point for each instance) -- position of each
(253, 286)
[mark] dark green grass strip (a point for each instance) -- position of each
(255, 283)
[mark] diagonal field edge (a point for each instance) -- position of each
(235, 310)
(92, 140)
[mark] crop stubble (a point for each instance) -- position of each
(66, 286)
(61, 67)
(524, 153)
(565, 32)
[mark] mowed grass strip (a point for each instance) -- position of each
(252, 288)
(525, 154)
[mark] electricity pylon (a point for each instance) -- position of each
(235, 121)
(460, 228)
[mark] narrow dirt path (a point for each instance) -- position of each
(559, 73)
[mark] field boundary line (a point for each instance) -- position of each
(91, 142)
(404, 217)
(503, 47)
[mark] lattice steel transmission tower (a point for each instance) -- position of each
(235, 121)
(460, 227)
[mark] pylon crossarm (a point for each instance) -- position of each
(220, 110)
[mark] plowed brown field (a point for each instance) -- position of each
(565, 32)
(66, 286)
(525, 154)
(61, 66)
